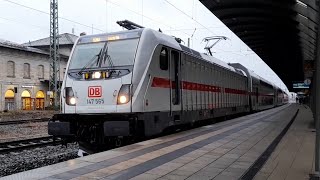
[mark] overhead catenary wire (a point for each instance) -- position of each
(116, 4)
(47, 13)
(90, 26)
(189, 16)
(203, 27)
(21, 22)
(192, 29)
(174, 29)
(147, 17)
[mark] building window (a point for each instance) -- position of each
(40, 100)
(10, 69)
(26, 70)
(41, 71)
(9, 102)
(26, 100)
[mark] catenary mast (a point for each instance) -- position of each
(54, 82)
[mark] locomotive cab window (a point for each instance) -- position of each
(164, 60)
(108, 54)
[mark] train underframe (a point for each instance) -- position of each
(96, 132)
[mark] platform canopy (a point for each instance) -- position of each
(282, 32)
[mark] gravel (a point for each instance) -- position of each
(23, 131)
(23, 115)
(19, 161)
(15, 162)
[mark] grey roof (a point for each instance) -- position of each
(12, 45)
(64, 39)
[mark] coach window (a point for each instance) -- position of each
(164, 59)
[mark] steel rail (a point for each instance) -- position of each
(24, 121)
(28, 143)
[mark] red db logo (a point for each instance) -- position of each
(94, 91)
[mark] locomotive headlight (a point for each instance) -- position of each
(124, 94)
(96, 75)
(72, 101)
(123, 99)
(70, 97)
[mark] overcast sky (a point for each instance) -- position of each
(24, 20)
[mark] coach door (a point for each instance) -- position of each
(175, 80)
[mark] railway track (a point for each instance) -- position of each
(24, 121)
(28, 143)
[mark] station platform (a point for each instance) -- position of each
(233, 149)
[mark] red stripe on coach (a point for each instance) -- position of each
(160, 82)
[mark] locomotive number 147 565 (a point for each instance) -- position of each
(95, 101)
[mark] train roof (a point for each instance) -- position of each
(218, 62)
(138, 31)
(171, 42)
(253, 74)
(211, 59)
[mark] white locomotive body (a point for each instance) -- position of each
(140, 82)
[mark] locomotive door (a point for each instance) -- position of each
(175, 78)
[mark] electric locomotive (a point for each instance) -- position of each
(139, 82)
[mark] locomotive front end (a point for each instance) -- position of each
(96, 91)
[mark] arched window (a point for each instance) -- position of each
(26, 100)
(41, 71)
(26, 70)
(9, 94)
(9, 102)
(10, 69)
(40, 100)
(25, 94)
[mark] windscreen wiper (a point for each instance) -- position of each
(96, 57)
(106, 56)
(102, 55)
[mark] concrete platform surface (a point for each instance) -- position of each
(293, 158)
(223, 150)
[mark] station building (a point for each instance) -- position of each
(25, 72)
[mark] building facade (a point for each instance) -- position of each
(24, 76)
